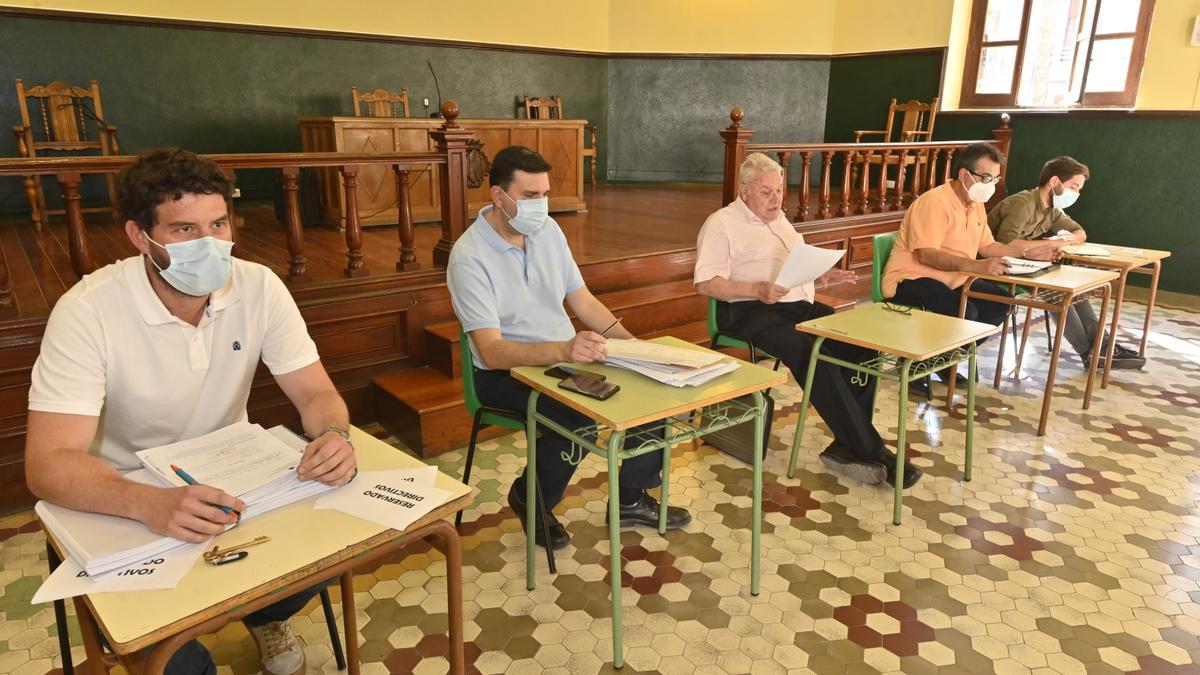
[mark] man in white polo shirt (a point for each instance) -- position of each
(739, 252)
(163, 347)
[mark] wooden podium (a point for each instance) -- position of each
(559, 141)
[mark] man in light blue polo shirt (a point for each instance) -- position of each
(509, 274)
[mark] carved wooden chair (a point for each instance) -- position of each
(543, 107)
(58, 117)
(916, 125)
(380, 103)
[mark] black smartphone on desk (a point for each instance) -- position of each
(589, 385)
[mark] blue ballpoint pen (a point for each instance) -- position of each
(192, 481)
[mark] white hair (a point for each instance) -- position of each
(755, 165)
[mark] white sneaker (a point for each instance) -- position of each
(281, 651)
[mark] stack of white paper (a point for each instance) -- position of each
(1088, 250)
(676, 366)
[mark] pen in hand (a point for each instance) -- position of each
(187, 478)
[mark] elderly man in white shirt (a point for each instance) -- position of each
(739, 253)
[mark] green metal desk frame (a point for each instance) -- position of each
(894, 369)
(661, 435)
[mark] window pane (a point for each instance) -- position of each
(1051, 45)
(1003, 21)
(1110, 64)
(1118, 16)
(996, 66)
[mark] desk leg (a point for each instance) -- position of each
(756, 506)
(901, 422)
(970, 413)
(530, 488)
(350, 621)
(1112, 331)
(951, 385)
(452, 549)
(1156, 267)
(1024, 341)
(664, 493)
(615, 443)
(1091, 378)
(1063, 307)
(804, 401)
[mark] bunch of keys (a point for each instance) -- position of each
(221, 556)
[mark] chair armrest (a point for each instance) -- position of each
(908, 135)
(859, 133)
(24, 139)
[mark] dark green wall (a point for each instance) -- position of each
(223, 91)
(1142, 191)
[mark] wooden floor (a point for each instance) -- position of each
(622, 221)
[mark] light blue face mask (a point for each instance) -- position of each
(532, 214)
(1065, 199)
(198, 267)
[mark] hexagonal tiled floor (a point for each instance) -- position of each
(1076, 552)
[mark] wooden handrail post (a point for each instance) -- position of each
(898, 189)
(736, 139)
(881, 198)
(949, 163)
(451, 140)
(805, 179)
(408, 256)
(864, 202)
(826, 161)
(354, 241)
(847, 161)
(1003, 137)
(297, 262)
(81, 259)
(784, 158)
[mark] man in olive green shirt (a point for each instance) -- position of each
(1036, 217)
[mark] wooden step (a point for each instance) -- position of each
(424, 407)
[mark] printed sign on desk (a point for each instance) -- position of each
(393, 499)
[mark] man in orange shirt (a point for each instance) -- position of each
(945, 236)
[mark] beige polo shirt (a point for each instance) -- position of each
(737, 245)
(112, 350)
(937, 219)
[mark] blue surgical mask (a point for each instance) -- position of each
(199, 266)
(1065, 199)
(532, 214)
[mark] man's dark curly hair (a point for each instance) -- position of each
(168, 173)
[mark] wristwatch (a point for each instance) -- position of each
(344, 433)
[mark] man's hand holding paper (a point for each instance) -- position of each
(329, 458)
(805, 263)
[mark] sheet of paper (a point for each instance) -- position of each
(805, 263)
(393, 499)
(164, 571)
(1087, 249)
(638, 350)
(236, 459)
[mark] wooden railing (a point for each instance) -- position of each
(451, 155)
(905, 170)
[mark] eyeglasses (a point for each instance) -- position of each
(986, 178)
(899, 309)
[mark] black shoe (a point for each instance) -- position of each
(1124, 358)
(645, 512)
(911, 473)
(558, 534)
(839, 458)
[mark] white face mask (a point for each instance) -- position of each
(198, 267)
(532, 214)
(980, 192)
(1065, 199)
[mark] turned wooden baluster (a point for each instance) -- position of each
(949, 162)
(898, 188)
(805, 189)
(354, 241)
(408, 255)
(297, 262)
(31, 193)
(826, 161)
(864, 202)
(847, 160)
(784, 157)
(81, 259)
(881, 198)
(931, 172)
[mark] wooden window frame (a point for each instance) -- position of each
(1117, 99)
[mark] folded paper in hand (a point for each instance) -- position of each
(805, 263)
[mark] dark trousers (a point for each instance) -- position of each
(193, 659)
(935, 296)
(555, 462)
(845, 406)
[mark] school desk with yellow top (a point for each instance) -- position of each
(307, 546)
(1124, 260)
(667, 410)
(912, 344)
(1053, 290)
